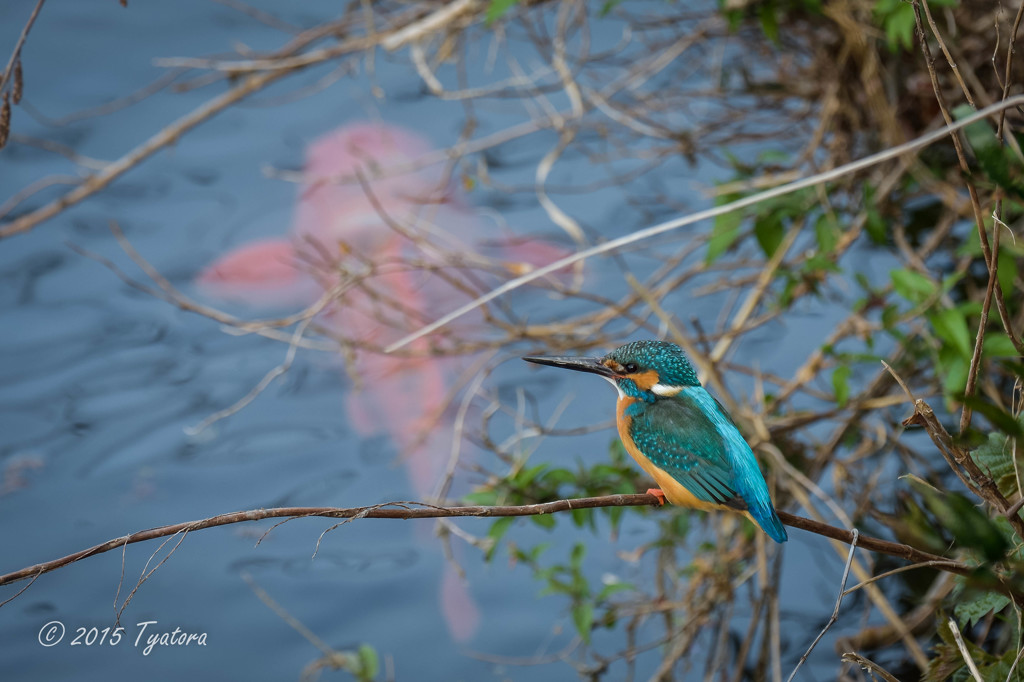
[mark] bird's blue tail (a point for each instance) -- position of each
(769, 521)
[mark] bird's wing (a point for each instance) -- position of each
(680, 438)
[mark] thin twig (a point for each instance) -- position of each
(870, 665)
(164, 138)
(971, 665)
(16, 52)
(835, 611)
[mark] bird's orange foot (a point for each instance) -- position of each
(657, 493)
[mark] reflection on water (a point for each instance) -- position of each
(389, 235)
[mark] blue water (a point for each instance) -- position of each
(100, 382)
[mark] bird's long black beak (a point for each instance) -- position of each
(592, 365)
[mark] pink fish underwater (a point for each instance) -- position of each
(391, 234)
(335, 217)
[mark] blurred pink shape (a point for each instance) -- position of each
(260, 273)
(344, 228)
(329, 210)
(396, 213)
(459, 609)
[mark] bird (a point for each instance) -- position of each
(679, 433)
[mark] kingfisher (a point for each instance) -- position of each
(679, 433)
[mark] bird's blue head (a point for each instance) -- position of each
(642, 369)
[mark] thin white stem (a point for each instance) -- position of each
(668, 226)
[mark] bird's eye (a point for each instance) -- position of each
(631, 367)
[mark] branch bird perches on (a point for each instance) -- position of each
(420, 510)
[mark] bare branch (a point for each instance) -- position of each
(420, 510)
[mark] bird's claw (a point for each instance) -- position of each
(657, 493)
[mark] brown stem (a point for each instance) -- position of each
(957, 457)
(419, 510)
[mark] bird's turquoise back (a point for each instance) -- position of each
(692, 438)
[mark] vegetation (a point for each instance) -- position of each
(941, 323)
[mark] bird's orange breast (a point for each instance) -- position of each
(675, 492)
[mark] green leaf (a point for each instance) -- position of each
(1013, 367)
(897, 18)
(496, 532)
(769, 21)
(724, 232)
(998, 345)
(554, 585)
(1000, 670)
(733, 18)
(950, 325)
(544, 520)
(827, 233)
(612, 588)
(559, 476)
(1000, 418)
(614, 517)
(875, 225)
(576, 557)
(526, 476)
(497, 9)
(818, 264)
(1006, 269)
(953, 368)
(912, 525)
(769, 231)
(369, 662)
(971, 611)
(890, 316)
(912, 286)
(484, 498)
(769, 156)
(841, 384)
(583, 617)
(969, 526)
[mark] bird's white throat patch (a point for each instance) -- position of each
(666, 390)
(658, 389)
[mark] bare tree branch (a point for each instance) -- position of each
(420, 510)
